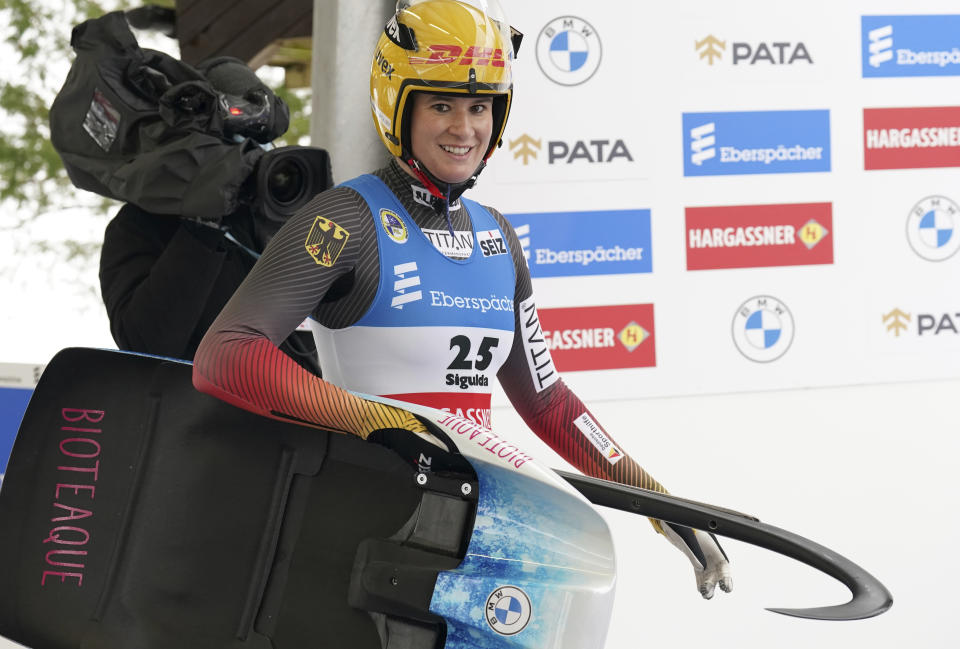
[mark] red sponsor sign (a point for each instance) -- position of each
(752, 236)
(911, 138)
(600, 337)
(471, 406)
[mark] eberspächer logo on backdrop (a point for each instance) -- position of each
(713, 50)
(910, 46)
(933, 228)
(568, 50)
(560, 244)
(763, 328)
(911, 138)
(600, 337)
(756, 142)
(529, 150)
(751, 236)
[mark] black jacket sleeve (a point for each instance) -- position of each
(164, 280)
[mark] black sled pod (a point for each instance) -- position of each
(137, 513)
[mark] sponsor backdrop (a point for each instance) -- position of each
(742, 220)
(764, 197)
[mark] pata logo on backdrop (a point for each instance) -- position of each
(531, 150)
(911, 138)
(562, 244)
(910, 46)
(926, 325)
(756, 142)
(751, 236)
(713, 50)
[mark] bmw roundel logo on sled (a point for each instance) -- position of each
(508, 610)
(568, 50)
(763, 328)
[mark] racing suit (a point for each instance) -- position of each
(337, 261)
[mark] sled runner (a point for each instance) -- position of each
(139, 513)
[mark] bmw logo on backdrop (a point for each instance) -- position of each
(763, 328)
(568, 50)
(933, 228)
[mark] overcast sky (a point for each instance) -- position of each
(49, 300)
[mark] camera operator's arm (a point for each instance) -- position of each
(164, 280)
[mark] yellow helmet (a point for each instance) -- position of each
(446, 47)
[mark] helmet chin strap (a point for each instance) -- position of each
(441, 200)
(433, 184)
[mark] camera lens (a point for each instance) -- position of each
(286, 181)
(287, 178)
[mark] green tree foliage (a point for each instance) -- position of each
(298, 100)
(36, 54)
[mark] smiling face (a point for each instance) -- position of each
(450, 134)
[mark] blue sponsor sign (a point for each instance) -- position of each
(756, 142)
(910, 46)
(13, 403)
(561, 244)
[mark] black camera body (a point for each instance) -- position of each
(142, 127)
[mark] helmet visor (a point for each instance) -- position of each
(491, 9)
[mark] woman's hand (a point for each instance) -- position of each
(710, 564)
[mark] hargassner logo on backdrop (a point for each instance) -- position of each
(911, 138)
(756, 142)
(910, 46)
(561, 244)
(600, 337)
(751, 236)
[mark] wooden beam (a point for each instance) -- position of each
(291, 54)
(240, 28)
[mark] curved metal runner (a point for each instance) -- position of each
(870, 597)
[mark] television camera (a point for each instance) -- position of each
(140, 126)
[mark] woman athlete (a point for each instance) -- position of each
(415, 292)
